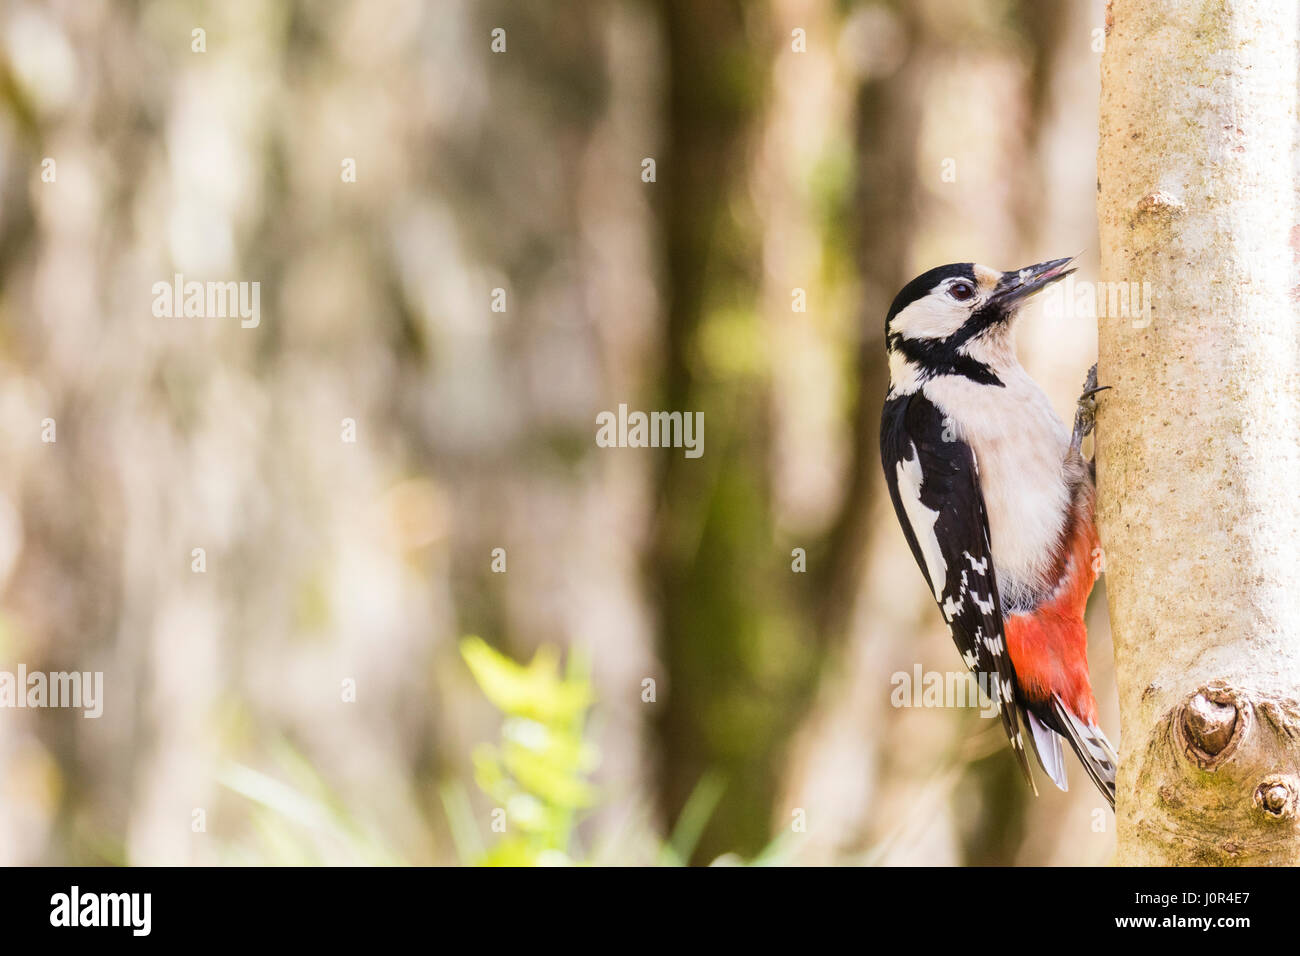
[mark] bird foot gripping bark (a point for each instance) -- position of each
(1085, 414)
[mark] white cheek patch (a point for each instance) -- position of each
(922, 520)
(933, 317)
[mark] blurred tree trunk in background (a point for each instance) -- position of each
(1199, 441)
(887, 126)
(731, 659)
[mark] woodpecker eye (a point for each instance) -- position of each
(961, 290)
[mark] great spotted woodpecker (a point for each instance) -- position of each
(996, 502)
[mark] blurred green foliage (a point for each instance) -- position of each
(537, 775)
(538, 772)
(298, 819)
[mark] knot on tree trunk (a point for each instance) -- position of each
(1278, 796)
(1224, 766)
(1213, 724)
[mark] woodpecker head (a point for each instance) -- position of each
(957, 319)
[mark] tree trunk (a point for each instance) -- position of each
(1198, 447)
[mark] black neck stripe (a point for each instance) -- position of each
(940, 357)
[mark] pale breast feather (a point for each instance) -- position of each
(1020, 446)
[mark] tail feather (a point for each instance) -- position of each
(1090, 746)
(1047, 748)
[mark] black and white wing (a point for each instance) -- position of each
(933, 481)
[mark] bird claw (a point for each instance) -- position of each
(1085, 415)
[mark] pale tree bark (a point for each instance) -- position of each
(1199, 439)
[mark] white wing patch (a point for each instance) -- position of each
(984, 606)
(922, 520)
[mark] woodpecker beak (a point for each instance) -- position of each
(1015, 287)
